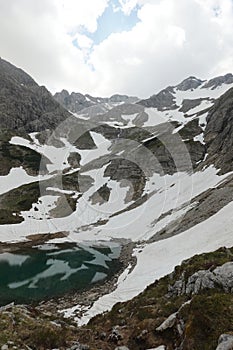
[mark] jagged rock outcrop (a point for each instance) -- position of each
(164, 100)
(129, 174)
(219, 278)
(24, 104)
(189, 83)
(168, 323)
(73, 102)
(218, 81)
(219, 133)
(76, 102)
(188, 104)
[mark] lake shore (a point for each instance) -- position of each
(85, 298)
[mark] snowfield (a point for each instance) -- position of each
(158, 259)
(168, 193)
(18, 177)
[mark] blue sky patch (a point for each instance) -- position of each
(112, 21)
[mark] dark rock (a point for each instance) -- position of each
(218, 81)
(219, 133)
(103, 335)
(129, 174)
(24, 104)
(115, 335)
(74, 159)
(101, 196)
(190, 104)
(73, 102)
(76, 102)
(189, 83)
(190, 130)
(163, 101)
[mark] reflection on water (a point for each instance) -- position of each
(52, 270)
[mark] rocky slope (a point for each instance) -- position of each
(165, 99)
(25, 105)
(184, 310)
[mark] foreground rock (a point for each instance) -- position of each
(225, 342)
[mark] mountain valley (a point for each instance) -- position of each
(129, 198)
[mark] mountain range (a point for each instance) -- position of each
(151, 176)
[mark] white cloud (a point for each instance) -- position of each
(76, 13)
(128, 5)
(172, 39)
(83, 41)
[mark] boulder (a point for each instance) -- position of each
(225, 342)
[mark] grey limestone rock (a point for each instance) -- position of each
(225, 342)
(221, 277)
(168, 323)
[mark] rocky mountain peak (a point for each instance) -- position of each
(117, 98)
(64, 93)
(15, 75)
(164, 100)
(189, 83)
(218, 81)
(75, 102)
(24, 104)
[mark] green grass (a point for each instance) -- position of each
(17, 200)
(207, 316)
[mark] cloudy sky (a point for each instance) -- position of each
(103, 47)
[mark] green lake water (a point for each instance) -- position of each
(53, 270)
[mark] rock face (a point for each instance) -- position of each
(221, 278)
(129, 173)
(218, 81)
(189, 83)
(74, 102)
(188, 104)
(24, 104)
(164, 100)
(219, 132)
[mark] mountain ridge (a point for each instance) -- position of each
(24, 104)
